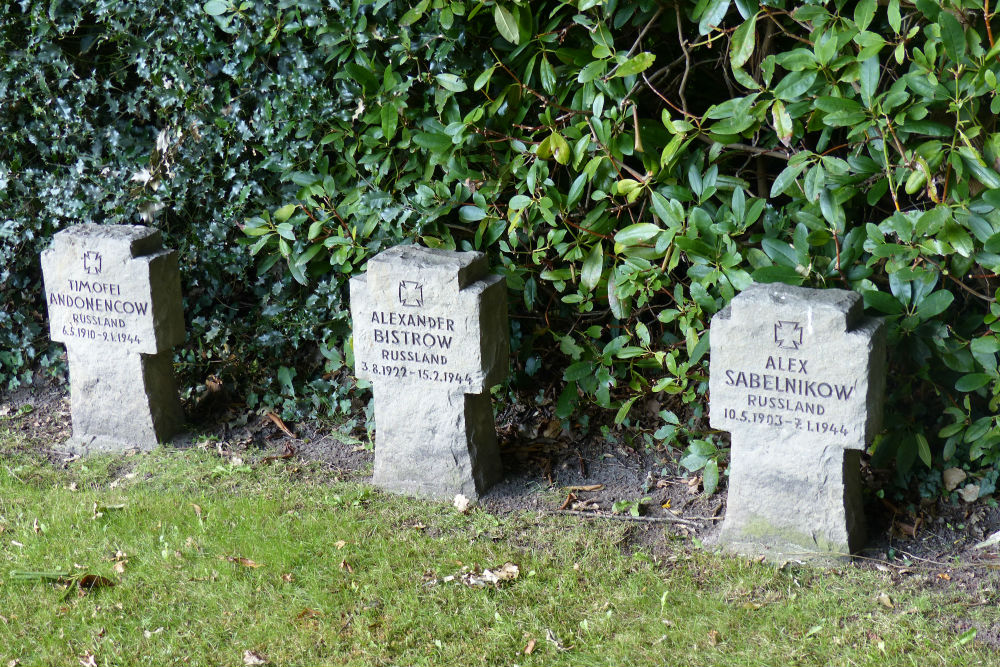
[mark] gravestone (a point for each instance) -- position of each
(430, 333)
(797, 377)
(114, 299)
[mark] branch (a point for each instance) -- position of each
(746, 148)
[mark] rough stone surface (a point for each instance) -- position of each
(430, 333)
(114, 299)
(797, 377)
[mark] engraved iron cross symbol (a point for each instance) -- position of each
(411, 293)
(788, 335)
(92, 262)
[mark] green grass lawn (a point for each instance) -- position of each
(222, 564)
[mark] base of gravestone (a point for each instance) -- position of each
(122, 401)
(444, 446)
(789, 502)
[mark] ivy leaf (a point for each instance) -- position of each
(506, 25)
(741, 47)
(635, 64)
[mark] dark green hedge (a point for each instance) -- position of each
(628, 166)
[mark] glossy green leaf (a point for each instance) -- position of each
(952, 35)
(215, 7)
(451, 82)
(506, 24)
(972, 382)
(742, 45)
(636, 64)
(593, 267)
(637, 233)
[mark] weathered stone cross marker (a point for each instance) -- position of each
(797, 377)
(114, 299)
(430, 333)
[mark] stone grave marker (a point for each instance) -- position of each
(114, 299)
(797, 377)
(430, 333)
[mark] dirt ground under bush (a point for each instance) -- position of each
(550, 470)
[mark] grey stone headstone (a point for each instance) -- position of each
(430, 333)
(797, 377)
(114, 299)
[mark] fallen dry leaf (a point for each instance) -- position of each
(35, 526)
(280, 424)
(120, 560)
(253, 658)
(340, 544)
(570, 497)
(308, 612)
(944, 575)
(344, 565)
(886, 601)
(461, 503)
(714, 637)
(88, 660)
(585, 506)
(969, 493)
(245, 562)
(473, 578)
(989, 541)
(552, 428)
(287, 452)
(91, 581)
(149, 633)
(529, 649)
(506, 572)
(197, 511)
(289, 577)
(952, 477)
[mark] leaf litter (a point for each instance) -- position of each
(473, 578)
